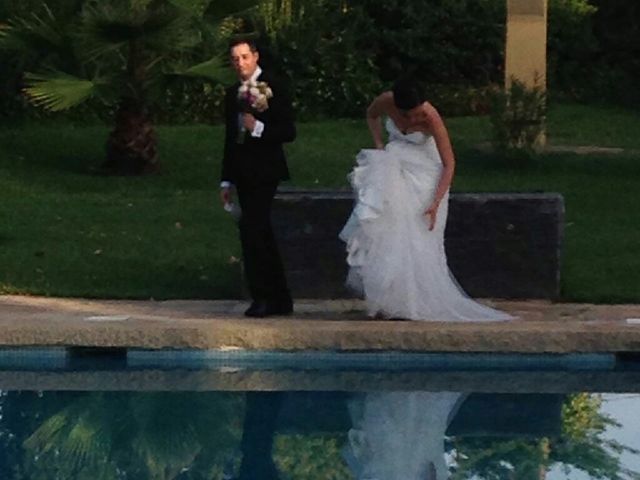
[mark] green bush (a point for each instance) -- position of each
(618, 60)
(518, 118)
(461, 100)
(571, 44)
(326, 56)
(594, 50)
(191, 102)
(340, 53)
(443, 42)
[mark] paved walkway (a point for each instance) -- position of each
(328, 325)
(577, 149)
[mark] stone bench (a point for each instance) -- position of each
(500, 245)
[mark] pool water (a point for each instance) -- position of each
(292, 424)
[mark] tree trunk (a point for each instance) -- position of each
(132, 147)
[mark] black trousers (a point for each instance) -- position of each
(262, 262)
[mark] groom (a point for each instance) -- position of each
(259, 119)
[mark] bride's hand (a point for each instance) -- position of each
(431, 213)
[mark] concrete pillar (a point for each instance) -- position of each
(526, 49)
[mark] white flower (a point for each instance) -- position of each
(254, 91)
(261, 103)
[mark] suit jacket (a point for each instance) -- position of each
(258, 160)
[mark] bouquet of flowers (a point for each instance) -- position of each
(253, 97)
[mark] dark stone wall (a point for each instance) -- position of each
(501, 245)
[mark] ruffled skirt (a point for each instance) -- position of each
(396, 262)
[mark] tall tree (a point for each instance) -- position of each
(126, 52)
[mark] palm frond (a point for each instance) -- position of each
(86, 442)
(139, 5)
(195, 7)
(5, 36)
(58, 91)
(76, 437)
(223, 9)
(44, 439)
(213, 69)
(106, 27)
(162, 28)
(36, 31)
(171, 31)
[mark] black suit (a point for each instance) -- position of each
(255, 167)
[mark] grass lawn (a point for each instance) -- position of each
(65, 231)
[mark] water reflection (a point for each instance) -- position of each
(315, 436)
(260, 421)
(107, 435)
(400, 435)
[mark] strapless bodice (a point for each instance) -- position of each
(395, 134)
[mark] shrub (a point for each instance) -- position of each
(326, 55)
(518, 118)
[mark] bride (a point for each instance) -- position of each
(395, 235)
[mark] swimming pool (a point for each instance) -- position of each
(227, 415)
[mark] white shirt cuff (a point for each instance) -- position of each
(258, 129)
(225, 184)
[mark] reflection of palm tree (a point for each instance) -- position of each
(148, 435)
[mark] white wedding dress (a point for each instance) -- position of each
(400, 435)
(395, 261)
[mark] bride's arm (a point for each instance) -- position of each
(443, 143)
(374, 118)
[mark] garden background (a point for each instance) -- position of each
(67, 228)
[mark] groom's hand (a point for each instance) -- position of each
(249, 121)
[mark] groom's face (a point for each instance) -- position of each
(244, 61)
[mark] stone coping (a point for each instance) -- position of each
(201, 380)
(341, 325)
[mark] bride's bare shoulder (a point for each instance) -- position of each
(431, 113)
(429, 108)
(382, 104)
(384, 99)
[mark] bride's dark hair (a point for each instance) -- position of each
(407, 93)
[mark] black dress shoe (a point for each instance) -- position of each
(282, 307)
(257, 309)
(261, 309)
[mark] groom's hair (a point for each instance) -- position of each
(241, 40)
(407, 94)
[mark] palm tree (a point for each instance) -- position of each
(124, 52)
